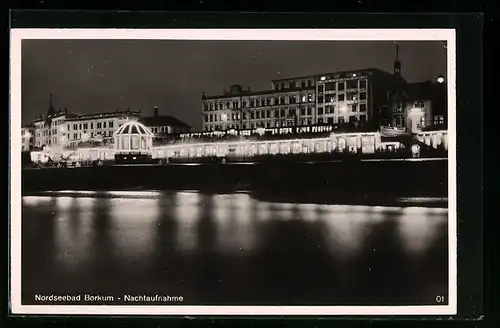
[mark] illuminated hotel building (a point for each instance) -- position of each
(330, 98)
(61, 128)
(51, 129)
(97, 127)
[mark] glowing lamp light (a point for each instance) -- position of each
(440, 79)
(323, 78)
(260, 131)
(353, 74)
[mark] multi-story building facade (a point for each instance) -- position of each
(330, 98)
(61, 128)
(356, 96)
(97, 127)
(50, 130)
(27, 137)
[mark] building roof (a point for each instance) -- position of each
(133, 127)
(330, 73)
(162, 120)
(104, 115)
(248, 93)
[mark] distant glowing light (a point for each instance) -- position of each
(440, 79)
(354, 74)
(415, 149)
(323, 78)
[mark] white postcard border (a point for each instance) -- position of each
(17, 35)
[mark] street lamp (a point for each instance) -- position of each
(440, 79)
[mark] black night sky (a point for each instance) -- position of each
(88, 76)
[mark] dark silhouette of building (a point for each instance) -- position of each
(164, 125)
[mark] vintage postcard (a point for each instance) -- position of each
(233, 172)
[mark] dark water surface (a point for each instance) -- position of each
(232, 249)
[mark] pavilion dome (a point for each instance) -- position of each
(133, 128)
(133, 138)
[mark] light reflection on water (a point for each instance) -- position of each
(133, 222)
(118, 233)
(187, 213)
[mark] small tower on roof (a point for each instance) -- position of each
(397, 63)
(51, 111)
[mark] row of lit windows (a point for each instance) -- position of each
(161, 129)
(341, 86)
(293, 84)
(285, 123)
(283, 112)
(259, 114)
(332, 109)
(85, 126)
(92, 134)
(262, 124)
(342, 119)
(271, 101)
(349, 96)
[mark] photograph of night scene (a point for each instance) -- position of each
(234, 172)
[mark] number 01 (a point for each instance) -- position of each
(440, 299)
